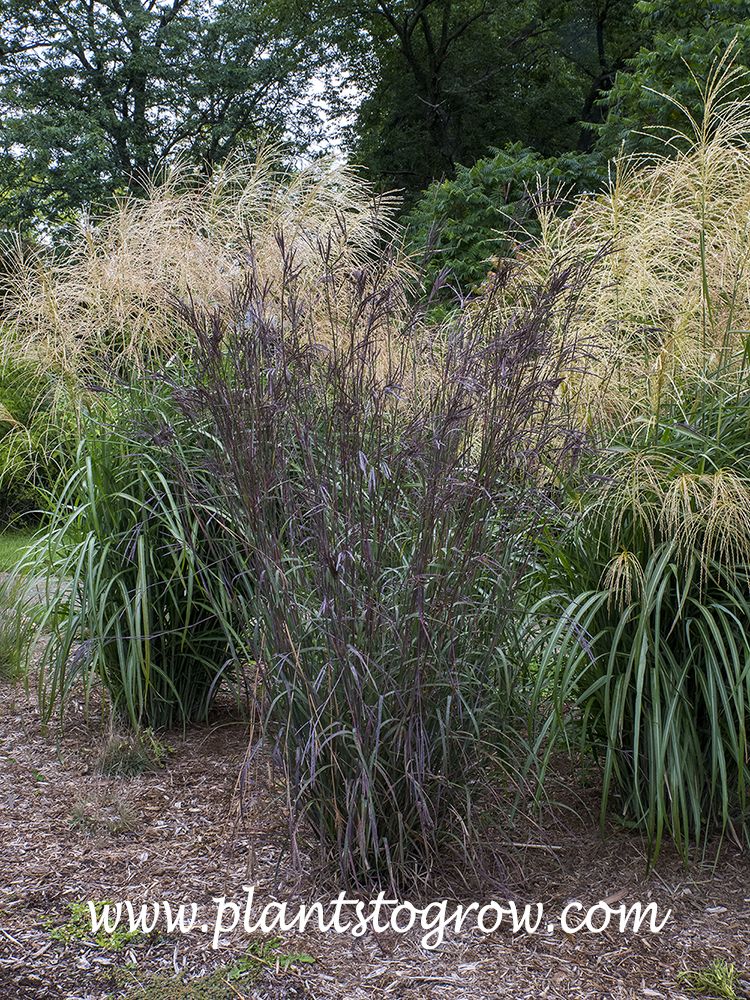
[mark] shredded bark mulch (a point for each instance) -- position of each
(69, 834)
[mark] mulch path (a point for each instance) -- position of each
(69, 834)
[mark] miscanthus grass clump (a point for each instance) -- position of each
(104, 303)
(645, 582)
(669, 304)
(100, 308)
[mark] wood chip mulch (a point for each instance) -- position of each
(69, 834)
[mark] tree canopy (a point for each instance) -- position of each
(95, 93)
(448, 80)
(685, 38)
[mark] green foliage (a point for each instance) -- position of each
(78, 928)
(266, 952)
(649, 615)
(490, 207)
(163, 986)
(28, 458)
(93, 104)
(125, 583)
(133, 753)
(719, 979)
(424, 116)
(13, 545)
(445, 83)
(17, 624)
(686, 37)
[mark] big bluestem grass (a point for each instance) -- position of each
(381, 488)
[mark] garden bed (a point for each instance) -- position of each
(70, 834)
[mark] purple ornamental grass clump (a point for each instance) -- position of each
(381, 485)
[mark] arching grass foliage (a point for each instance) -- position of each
(123, 576)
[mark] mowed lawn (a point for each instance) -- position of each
(13, 544)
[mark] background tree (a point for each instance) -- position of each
(94, 93)
(489, 209)
(685, 37)
(595, 39)
(448, 80)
